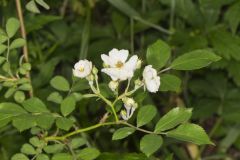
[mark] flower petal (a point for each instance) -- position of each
(132, 63)
(118, 55)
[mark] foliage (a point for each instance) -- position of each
(48, 112)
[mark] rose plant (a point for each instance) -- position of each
(56, 133)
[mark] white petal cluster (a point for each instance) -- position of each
(151, 79)
(82, 68)
(130, 106)
(117, 66)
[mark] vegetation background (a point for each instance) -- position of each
(74, 29)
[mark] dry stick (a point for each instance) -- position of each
(23, 33)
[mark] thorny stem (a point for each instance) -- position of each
(62, 138)
(24, 36)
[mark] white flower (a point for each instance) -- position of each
(151, 80)
(130, 106)
(117, 66)
(82, 68)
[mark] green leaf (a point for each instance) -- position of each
(122, 133)
(3, 38)
(88, 154)
(2, 48)
(2, 59)
(194, 60)
(45, 121)
(42, 157)
(62, 156)
(19, 96)
(68, 105)
(55, 97)
(150, 143)
(170, 83)
(124, 7)
(35, 105)
(232, 15)
(8, 111)
(9, 92)
(35, 141)
(146, 114)
(32, 7)
(19, 156)
(173, 118)
(17, 43)
(64, 123)
(43, 4)
(12, 26)
(77, 142)
(158, 54)
(190, 133)
(55, 148)
(28, 149)
(24, 122)
(60, 83)
(123, 156)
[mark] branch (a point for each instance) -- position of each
(24, 36)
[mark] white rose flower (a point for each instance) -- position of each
(118, 68)
(82, 68)
(151, 79)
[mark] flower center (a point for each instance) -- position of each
(119, 64)
(81, 69)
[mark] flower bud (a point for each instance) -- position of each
(138, 83)
(139, 64)
(90, 77)
(113, 85)
(95, 70)
(129, 103)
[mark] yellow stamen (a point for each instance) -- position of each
(81, 69)
(119, 64)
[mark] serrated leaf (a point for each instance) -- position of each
(150, 143)
(42, 157)
(145, 115)
(77, 142)
(122, 133)
(8, 111)
(3, 38)
(232, 15)
(32, 7)
(43, 4)
(17, 43)
(35, 141)
(24, 122)
(88, 154)
(2, 48)
(62, 156)
(35, 105)
(68, 105)
(55, 97)
(170, 83)
(60, 83)
(28, 149)
(64, 123)
(173, 118)
(191, 133)
(158, 54)
(19, 96)
(55, 148)
(194, 60)
(12, 26)
(19, 156)
(45, 121)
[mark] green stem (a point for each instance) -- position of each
(132, 34)
(62, 138)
